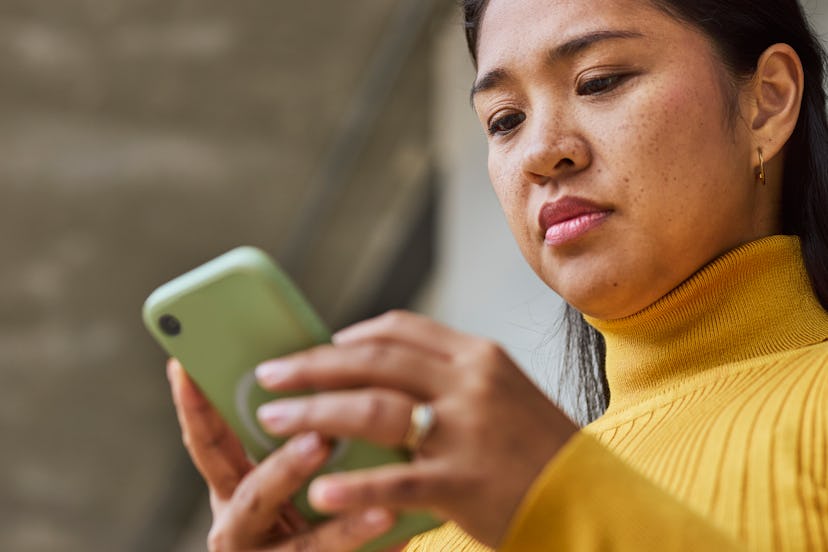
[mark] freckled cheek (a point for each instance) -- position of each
(659, 144)
(678, 116)
(514, 205)
(514, 201)
(506, 188)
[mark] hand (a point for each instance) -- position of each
(250, 503)
(494, 432)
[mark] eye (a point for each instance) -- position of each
(600, 85)
(506, 124)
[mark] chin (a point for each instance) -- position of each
(604, 301)
(602, 284)
(594, 310)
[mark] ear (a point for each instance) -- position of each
(776, 91)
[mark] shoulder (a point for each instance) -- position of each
(810, 371)
(809, 366)
(811, 359)
(815, 357)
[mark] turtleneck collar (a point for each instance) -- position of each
(755, 300)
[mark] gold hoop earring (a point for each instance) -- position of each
(761, 170)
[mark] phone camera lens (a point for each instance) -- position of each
(170, 325)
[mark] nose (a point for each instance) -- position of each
(552, 154)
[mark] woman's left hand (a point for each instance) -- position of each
(494, 431)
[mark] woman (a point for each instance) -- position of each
(662, 166)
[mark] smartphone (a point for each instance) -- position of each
(225, 317)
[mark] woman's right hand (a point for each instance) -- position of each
(251, 506)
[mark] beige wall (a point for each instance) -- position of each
(818, 11)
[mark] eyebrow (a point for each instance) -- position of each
(568, 49)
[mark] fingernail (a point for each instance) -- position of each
(327, 495)
(280, 416)
(377, 518)
(171, 366)
(272, 372)
(309, 444)
(343, 335)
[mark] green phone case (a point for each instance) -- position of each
(225, 317)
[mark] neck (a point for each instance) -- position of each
(756, 300)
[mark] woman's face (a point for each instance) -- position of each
(611, 148)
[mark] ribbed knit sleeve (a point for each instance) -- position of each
(588, 499)
(448, 538)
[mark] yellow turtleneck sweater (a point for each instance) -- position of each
(716, 436)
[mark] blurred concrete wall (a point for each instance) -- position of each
(138, 139)
(818, 12)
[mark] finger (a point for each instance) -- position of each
(257, 503)
(364, 364)
(406, 327)
(396, 486)
(294, 519)
(215, 450)
(378, 415)
(342, 534)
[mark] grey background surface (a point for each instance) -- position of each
(138, 139)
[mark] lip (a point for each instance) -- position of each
(569, 218)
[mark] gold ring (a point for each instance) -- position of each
(422, 421)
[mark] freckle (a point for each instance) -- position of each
(627, 179)
(615, 284)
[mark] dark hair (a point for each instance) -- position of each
(740, 30)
